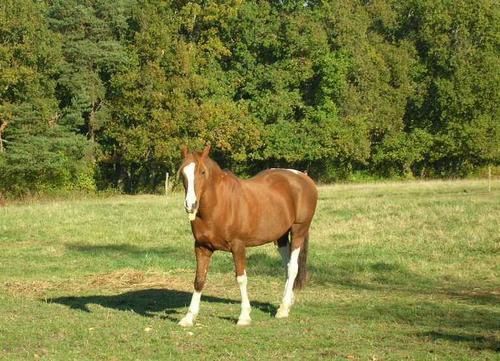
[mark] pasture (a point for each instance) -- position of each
(398, 271)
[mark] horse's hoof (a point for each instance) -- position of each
(282, 312)
(185, 322)
(244, 322)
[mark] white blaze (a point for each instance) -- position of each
(188, 172)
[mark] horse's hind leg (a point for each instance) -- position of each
(284, 250)
(298, 235)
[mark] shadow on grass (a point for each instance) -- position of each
(476, 342)
(357, 271)
(149, 302)
(368, 274)
(342, 272)
(132, 255)
(428, 314)
(127, 249)
(457, 319)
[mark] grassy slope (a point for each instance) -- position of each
(398, 271)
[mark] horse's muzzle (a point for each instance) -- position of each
(191, 210)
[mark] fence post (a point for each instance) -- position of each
(166, 183)
(489, 178)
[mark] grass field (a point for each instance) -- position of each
(399, 271)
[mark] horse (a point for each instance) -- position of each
(229, 214)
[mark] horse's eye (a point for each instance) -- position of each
(203, 172)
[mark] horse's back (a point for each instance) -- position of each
(290, 184)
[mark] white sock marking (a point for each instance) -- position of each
(244, 318)
(293, 269)
(188, 172)
(194, 307)
(193, 310)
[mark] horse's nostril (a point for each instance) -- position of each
(190, 206)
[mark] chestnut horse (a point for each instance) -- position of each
(230, 214)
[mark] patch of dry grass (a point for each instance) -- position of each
(117, 281)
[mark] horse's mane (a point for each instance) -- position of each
(229, 173)
(231, 181)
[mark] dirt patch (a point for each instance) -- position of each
(121, 280)
(31, 288)
(133, 279)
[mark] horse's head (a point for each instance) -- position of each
(195, 171)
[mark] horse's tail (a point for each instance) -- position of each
(301, 278)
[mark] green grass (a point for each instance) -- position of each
(398, 271)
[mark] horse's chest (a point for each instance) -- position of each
(209, 235)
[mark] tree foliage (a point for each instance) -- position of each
(102, 94)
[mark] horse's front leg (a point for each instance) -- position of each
(238, 251)
(203, 256)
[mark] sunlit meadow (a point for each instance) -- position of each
(397, 271)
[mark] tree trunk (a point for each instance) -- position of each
(91, 123)
(3, 125)
(96, 106)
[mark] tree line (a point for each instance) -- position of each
(99, 94)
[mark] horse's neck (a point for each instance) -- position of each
(220, 193)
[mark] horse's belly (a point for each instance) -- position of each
(267, 228)
(265, 218)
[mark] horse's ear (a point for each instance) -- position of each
(184, 151)
(206, 151)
